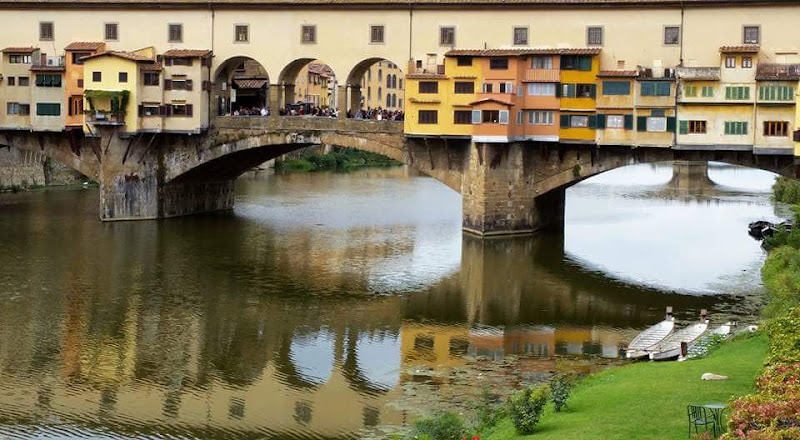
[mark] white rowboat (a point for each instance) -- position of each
(641, 345)
(670, 347)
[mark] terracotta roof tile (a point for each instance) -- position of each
(523, 52)
(85, 45)
(320, 69)
(20, 49)
(618, 73)
(47, 68)
(742, 48)
(490, 99)
(384, 3)
(124, 55)
(778, 72)
(151, 67)
(423, 75)
(187, 53)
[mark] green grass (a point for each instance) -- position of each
(648, 400)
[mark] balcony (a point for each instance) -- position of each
(48, 64)
(98, 117)
(542, 75)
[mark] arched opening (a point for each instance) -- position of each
(308, 87)
(241, 88)
(374, 90)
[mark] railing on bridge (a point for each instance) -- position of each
(306, 123)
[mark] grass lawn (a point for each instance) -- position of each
(648, 400)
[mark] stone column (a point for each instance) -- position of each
(275, 99)
(500, 193)
(288, 94)
(690, 175)
(355, 98)
(344, 94)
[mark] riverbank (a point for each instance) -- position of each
(336, 160)
(648, 400)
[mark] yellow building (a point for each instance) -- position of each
(776, 107)
(315, 85)
(382, 86)
(578, 92)
(615, 107)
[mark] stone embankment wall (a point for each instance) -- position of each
(29, 169)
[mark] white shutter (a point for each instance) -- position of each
(520, 90)
(509, 87)
(504, 116)
(476, 116)
(519, 117)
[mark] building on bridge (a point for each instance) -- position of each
(74, 80)
(382, 86)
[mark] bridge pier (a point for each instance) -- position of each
(500, 193)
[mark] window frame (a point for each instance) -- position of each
(493, 62)
(527, 31)
(147, 83)
(312, 28)
(25, 81)
(757, 28)
(106, 28)
(434, 121)
(548, 64)
(652, 119)
(236, 27)
(732, 63)
(442, 28)
(747, 62)
(456, 119)
(573, 118)
(463, 90)
(621, 119)
(170, 27)
(589, 30)
(774, 132)
(668, 27)
(541, 117)
(697, 126)
(122, 77)
(432, 91)
(615, 83)
(372, 29)
(42, 36)
(97, 76)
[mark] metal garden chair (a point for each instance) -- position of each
(700, 416)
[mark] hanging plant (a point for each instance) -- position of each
(118, 99)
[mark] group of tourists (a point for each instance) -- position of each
(252, 111)
(377, 114)
(303, 110)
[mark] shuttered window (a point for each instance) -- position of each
(735, 127)
(656, 88)
(467, 87)
(462, 117)
(48, 109)
(428, 117)
(175, 33)
(737, 92)
(428, 87)
(612, 88)
(776, 93)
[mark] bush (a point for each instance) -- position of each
(780, 381)
(560, 388)
(763, 417)
(445, 426)
(525, 408)
(784, 338)
(489, 409)
(786, 190)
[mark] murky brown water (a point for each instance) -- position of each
(326, 305)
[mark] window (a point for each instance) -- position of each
(46, 80)
(672, 35)
(172, 61)
(490, 117)
(540, 118)
(46, 32)
(123, 77)
(97, 76)
(594, 36)
(578, 121)
(15, 108)
(12, 81)
(25, 81)
(576, 62)
(151, 109)
(464, 61)
(76, 57)
(175, 33)
(737, 92)
(376, 34)
(657, 124)
(689, 91)
(487, 87)
(462, 117)
(730, 62)
(584, 90)
(656, 88)
(498, 63)
(542, 63)
(776, 128)
(747, 62)
(616, 88)
(520, 36)
(465, 87)
(179, 110)
(708, 91)
(567, 90)
(151, 79)
(696, 127)
(615, 121)
(776, 93)
(111, 32)
(241, 33)
(79, 83)
(506, 87)
(428, 87)
(751, 35)
(428, 117)
(447, 36)
(308, 34)
(735, 127)
(541, 89)
(75, 105)
(48, 109)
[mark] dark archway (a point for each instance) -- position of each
(241, 87)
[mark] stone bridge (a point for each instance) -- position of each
(506, 188)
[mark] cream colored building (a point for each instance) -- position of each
(16, 87)
(383, 86)
(314, 85)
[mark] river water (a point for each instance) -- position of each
(343, 305)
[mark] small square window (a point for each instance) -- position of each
(594, 35)
(376, 34)
(123, 77)
(309, 34)
(97, 76)
(464, 61)
(46, 31)
(175, 32)
(447, 36)
(520, 36)
(111, 31)
(25, 81)
(672, 35)
(12, 81)
(79, 83)
(747, 62)
(751, 35)
(241, 33)
(730, 62)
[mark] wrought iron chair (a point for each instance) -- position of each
(701, 417)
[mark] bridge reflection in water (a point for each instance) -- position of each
(249, 326)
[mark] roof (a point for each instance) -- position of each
(124, 55)
(396, 4)
(425, 75)
(698, 73)
(320, 69)
(741, 48)
(151, 67)
(187, 53)
(778, 72)
(618, 73)
(85, 45)
(41, 68)
(490, 99)
(250, 83)
(523, 52)
(20, 49)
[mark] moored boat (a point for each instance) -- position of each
(640, 345)
(670, 347)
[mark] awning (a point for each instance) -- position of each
(250, 83)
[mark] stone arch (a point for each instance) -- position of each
(248, 77)
(323, 95)
(358, 98)
(71, 149)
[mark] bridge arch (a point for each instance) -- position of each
(250, 80)
(383, 88)
(310, 81)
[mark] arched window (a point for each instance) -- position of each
(380, 94)
(401, 83)
(394, 100)
(388, 100)
(399, 103)
(388, 81)
(394, 81)
(380, 75)
(369, 93)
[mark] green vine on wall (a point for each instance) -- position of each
(118, 99)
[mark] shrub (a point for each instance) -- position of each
(525, 408)
(763, 417)
(786, 190)
(489, 409)
(780, 381)
(560, 388)
(781, 277)
(445, 426)
(784, 338)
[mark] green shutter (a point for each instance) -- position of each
(684, 127)
(592, 121)
(728, 92)
(628, 122)
(601, 122)
(662, 88)
(744, 127)
(558, 90)
(564, 121)
(746, 91)
(671, 124)
(593, 91)
(585, 63)
(641, 123)
(571, 90)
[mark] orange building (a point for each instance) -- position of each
(73, 80)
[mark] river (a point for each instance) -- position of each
(343, 305)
